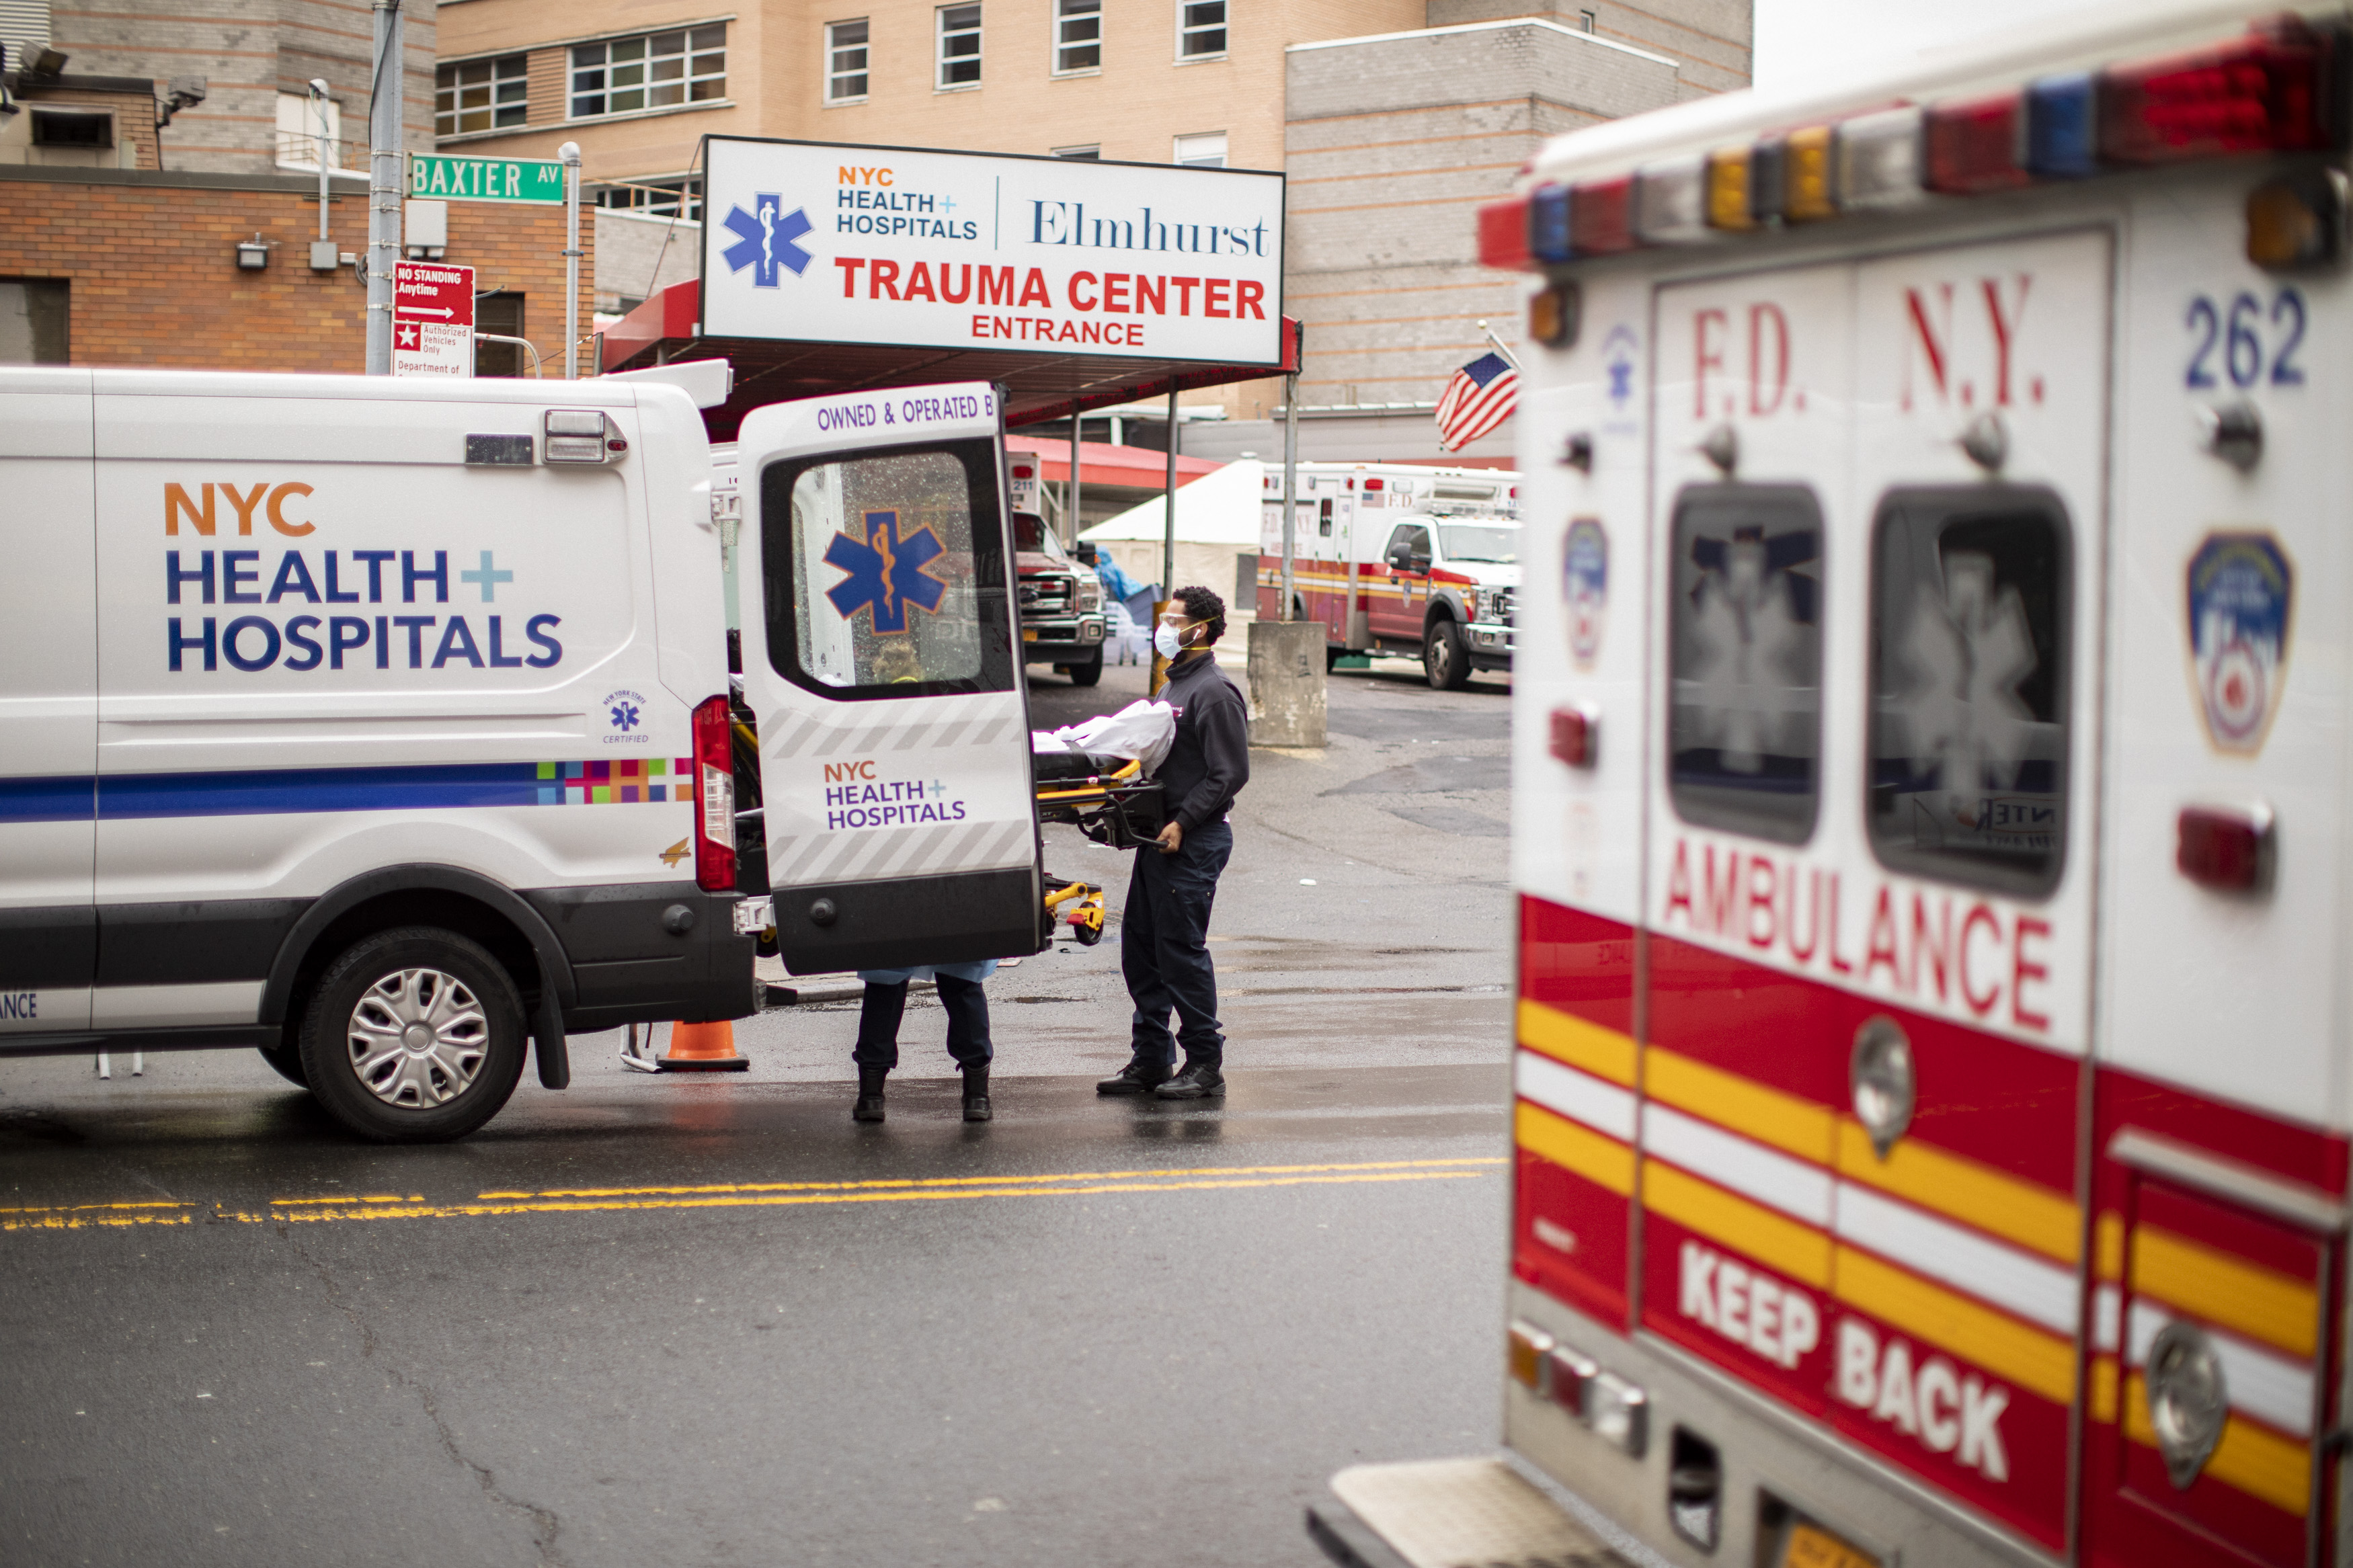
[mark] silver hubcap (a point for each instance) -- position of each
(417, 1038)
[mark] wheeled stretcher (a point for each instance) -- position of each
(1108, 799)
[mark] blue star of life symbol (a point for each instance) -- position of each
(764, 240)
(625, 716)
(1622, 381)
(885, 573)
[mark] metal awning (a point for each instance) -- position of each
(1041, 384)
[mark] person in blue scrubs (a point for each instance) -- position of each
(962, 992)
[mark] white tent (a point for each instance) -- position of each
(1217, 518)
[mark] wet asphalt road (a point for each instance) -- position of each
(673, 1320)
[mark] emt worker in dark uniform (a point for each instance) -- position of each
(1163, 935)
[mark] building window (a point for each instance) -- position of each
(56, 128)
(472, 95)
(1084, 155)
(959, 47)
(1202, 151)
(501, 315)
(33, 317)
(298, 131)
(845, 61)
(1200, 29)
(1586, 20)
(661, 70)
(1078, 35)
(655, 198)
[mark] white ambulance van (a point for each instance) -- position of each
(383, 726)
(1934, 1044)
(1400, 559)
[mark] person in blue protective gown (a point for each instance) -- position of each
(962, 990)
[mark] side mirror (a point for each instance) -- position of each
(1400, 557)
(1087, 553)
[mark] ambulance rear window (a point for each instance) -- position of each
(886, 573)
(1745, 732)
(1968, 685)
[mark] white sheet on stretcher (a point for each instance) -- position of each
(1141, 730)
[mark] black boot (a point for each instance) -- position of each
(870, 1094)
(975, 1093)
(1199, 1081)
(1138, 1076)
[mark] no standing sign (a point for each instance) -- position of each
(432, 319)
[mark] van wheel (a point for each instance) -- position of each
(414, 1035)
(1089, 673)
(1444, 659)
(286, 1060)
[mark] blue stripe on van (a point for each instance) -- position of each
(275, 790)
(284, 790)
(48, 799)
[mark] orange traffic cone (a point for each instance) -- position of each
(703, 1047)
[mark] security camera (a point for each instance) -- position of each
(188, 91)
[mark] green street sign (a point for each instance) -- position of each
(434, 177)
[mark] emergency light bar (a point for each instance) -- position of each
(2279, 88)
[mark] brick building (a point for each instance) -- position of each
(1393, 119)
(106, 259)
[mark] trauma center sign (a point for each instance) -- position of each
(879, 244)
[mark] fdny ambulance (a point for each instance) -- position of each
(1934, 1044)
(383, 727)
(1398, 559)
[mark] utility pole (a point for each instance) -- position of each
(319, 102)
(570, 153)
(389, 84)
(1290, 483)
(1070, 522)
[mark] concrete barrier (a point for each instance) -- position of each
(1286, 683)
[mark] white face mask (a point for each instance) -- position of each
(1165, 641)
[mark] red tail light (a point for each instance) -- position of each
(1576, 735)
(2229, 851)
(2268, 92)
(1503, 236)
(715, 797)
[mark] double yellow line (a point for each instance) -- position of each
(761, 1194)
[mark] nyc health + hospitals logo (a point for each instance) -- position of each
(764, 240)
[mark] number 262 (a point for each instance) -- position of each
(2230, 340)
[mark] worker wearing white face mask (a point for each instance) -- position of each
(1164, 929)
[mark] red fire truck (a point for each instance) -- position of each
(1933, 1078)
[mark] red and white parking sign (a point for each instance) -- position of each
(432, 319)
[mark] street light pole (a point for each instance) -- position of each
(385, 99)
(570, 153)
(318, 100)
(1290, 484)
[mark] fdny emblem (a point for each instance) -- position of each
(2241, 599)
(1585, 585)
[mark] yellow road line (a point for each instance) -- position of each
(80, 1216)
(1015, 1188)
(897, 1184)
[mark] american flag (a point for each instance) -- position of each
(1477, 398)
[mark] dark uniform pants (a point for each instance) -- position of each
(878, 1023)
(1164, 947)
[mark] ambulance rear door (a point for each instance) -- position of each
(1882, 491)
(879, 654)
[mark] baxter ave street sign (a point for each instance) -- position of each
(433, 177)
